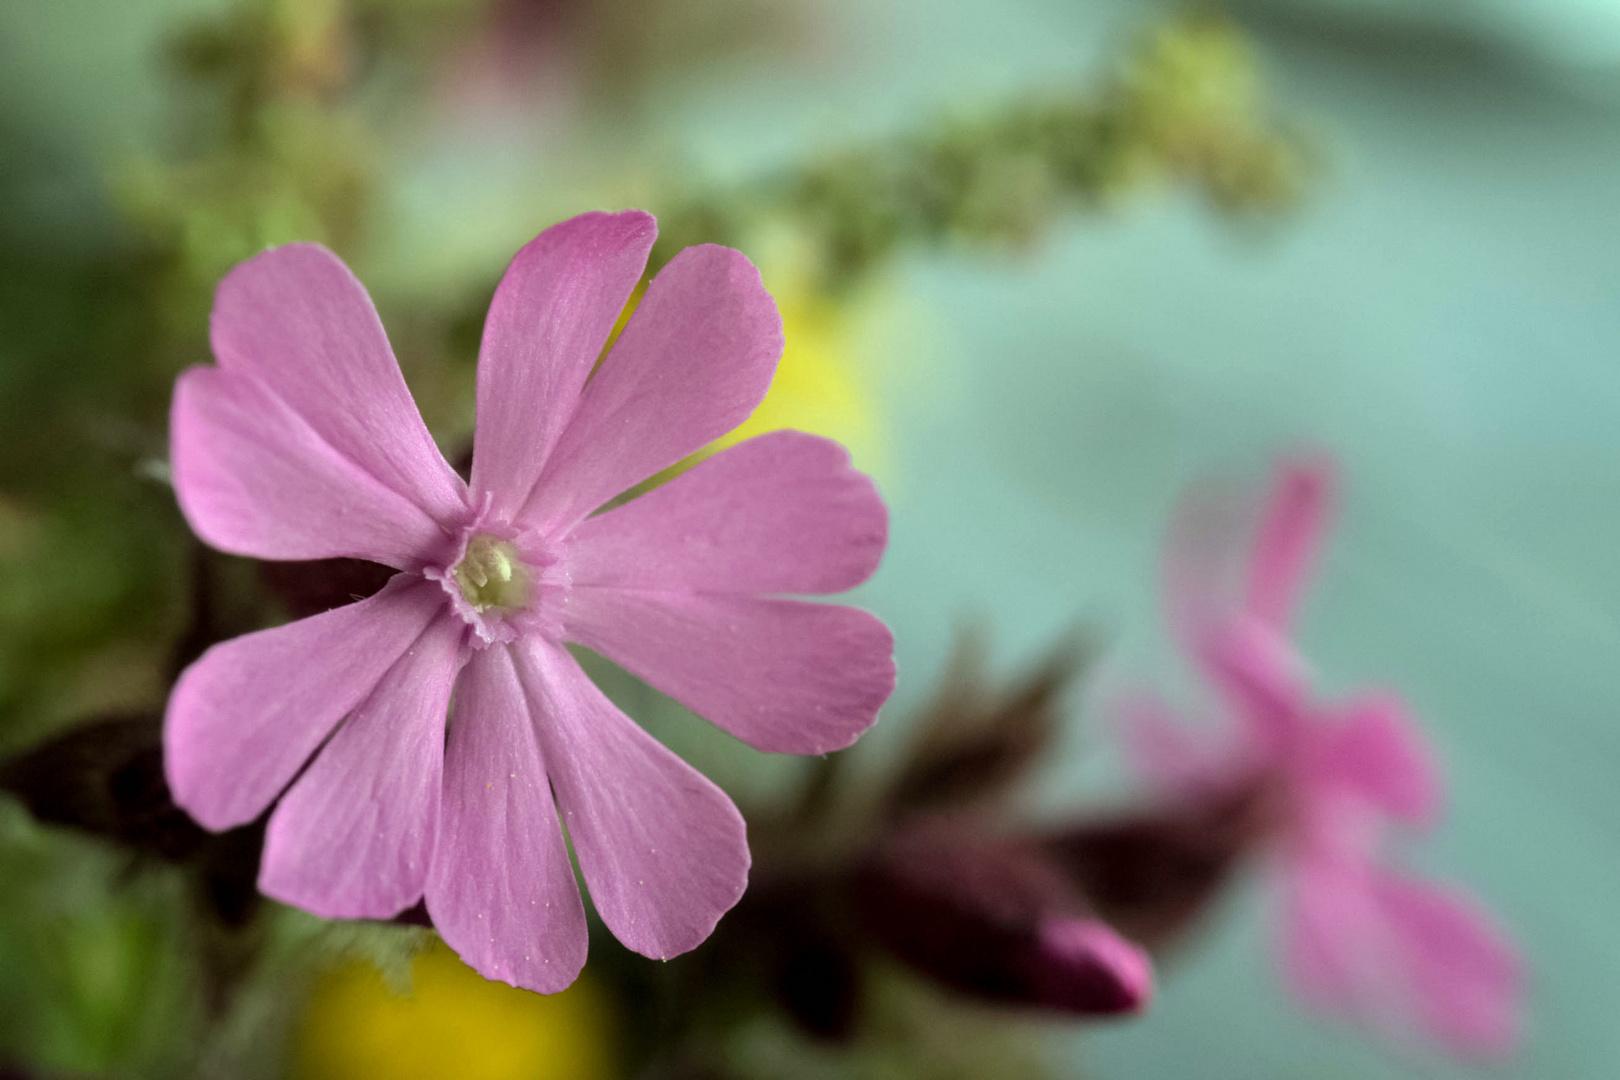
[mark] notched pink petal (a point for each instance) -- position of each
(1466, 974)
(502, 892)
(1378, 750)
(254, 479)
(1292, 527)
(1403, 956)
(245, 717)
(664, 851)
(299, 322)
(691, 364)
(550, 317)
(787, 676)
(353, 838)
(781, 513)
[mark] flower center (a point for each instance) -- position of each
(491, 575)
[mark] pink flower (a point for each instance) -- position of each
(1357, 938)
(304, 443)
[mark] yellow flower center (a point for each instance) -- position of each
(492, 576)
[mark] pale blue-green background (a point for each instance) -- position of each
(1443, 315)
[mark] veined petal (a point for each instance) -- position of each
(246, 716)
(502, 892)
(254, 478)
(353, 838)
(1291, 531)
(546, 326)
(664, 851)
(298, 321)
(691, 364)
(782, 675)
(1378, 750)
(781, 513)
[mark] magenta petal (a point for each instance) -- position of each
(254, 479)
(1401, 955)
(783, 512)
(1466, 974)
(353, 838)
(1165, 751)
(1291, 531)
(1085, 965)
(1266, 683)
(664, 851)
(298, 321)
(692, 363)
(1329, 945)
(250, 712)
(1379, 751)
(546, 327)
(502, 892)
(788, 676)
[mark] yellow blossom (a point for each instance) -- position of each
(451, 1023)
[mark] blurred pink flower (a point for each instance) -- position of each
(527, 60)
(304, 443)
(1358, 938)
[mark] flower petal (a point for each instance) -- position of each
(1232, 558)
(254, 479)
(1467, 976)
(502, 891)
(353, 838)
(1401, 955)
(787, 676)
(1265, 681)
(664, 851)
(693, 361)
(546, 327)
(1291, 531)
(1206, 548)
(246, 716)
(1329, 940)
(1378, 750)
(1167, 751)
(783, 512)
(298, 321)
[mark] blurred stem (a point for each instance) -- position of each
(821, 788)
(1186, 106)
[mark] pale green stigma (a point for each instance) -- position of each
(492, 576)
